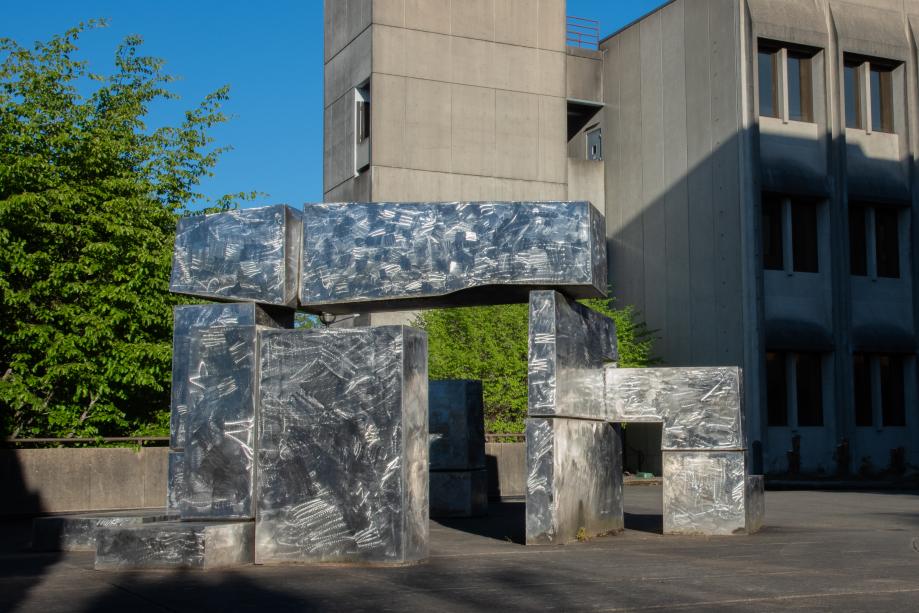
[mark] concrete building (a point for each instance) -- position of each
(755, 160)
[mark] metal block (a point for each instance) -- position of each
(77, 532)
(701, 408)
(188, 545)
(574, 480)
(246, 254)
(175, 480)
(220, 437)
(188, 319)
(343, 446)
(756, 503)
(456, 423)
(569, 345)
(706, 492)
(459, 493)
(362, 257)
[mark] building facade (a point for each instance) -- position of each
(755, 160)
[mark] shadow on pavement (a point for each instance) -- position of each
(506, 521)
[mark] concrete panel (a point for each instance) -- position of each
(427, 144)
(473, 188)
(427, 56)
(156, 463)
(515, 116)
(510, 189)
(405, 185)
(517, 68)
(389, 12)
(517, 22)
(870, 30)
(473, 123)
(586, 182)
(339, 141)
(343, 21)
(130, 491)
(430, 15)
(388, 52)
(551, 15)
(472, 62)
(792, 158)
(473, 19)
(506, 465)
(349, 68)
(387, 122)
(584, 77)
(552, 73)
(553, 154)
(873, 166)
(789, 20)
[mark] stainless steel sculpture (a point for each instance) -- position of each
(456, 426)
(247, 254)
(175, 480)
(361, 257)
(78, 532)
(343, 446)
(173, 545)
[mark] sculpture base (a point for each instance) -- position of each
(77, 532)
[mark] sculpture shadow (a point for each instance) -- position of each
(505, 521)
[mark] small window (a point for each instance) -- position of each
(768, 83)
(804, 236)
(861, 380)
(858, 247)
(772, 232)
(785, 78)
(884, 259)
(869, 94)
(776, 389)
(800, 88)
(809, 387)
(888, 242)
(854, 113)
(595, 144)
(893, 405)
(881, 99)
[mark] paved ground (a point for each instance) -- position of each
(832, 551)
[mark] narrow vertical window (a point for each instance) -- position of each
(776, 389)
(809, 386)
(768, 84)
(595, 144)
(800, 89)
(858, 247)
(881, 100)
(853, 97)
(772, 232)
(887, 241)
(893, 406)
(804, 236)
(861, 380)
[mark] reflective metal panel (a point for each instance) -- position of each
(704, 492)
(190, 545)
(456, 422)
(77, 532)
(220, 422)
(574, 480)
(343, 446)
(700, 407)
(383, 256)
(459, 493)
(569, 345)
(175, 480)
(246, 254)
(756, 503)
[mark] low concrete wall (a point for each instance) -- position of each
(507, 469)
(35, 481)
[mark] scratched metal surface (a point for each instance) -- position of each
(343, 446)
(574, 479)
(704, 492)
(175, 480)
(220, 437)
(77, 532)
(456, 422)
(380, 256)
(190, 318)
(569, 346)
(174, 545)
(247, 254)
(756, 503)
(701, 408)
(459, 493)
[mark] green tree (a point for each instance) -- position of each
(89, 197)
(490, 344)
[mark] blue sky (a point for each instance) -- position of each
(270, 53)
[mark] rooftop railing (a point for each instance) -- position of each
(582, 32)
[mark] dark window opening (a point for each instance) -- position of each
(800, 88)
(804, 237)
(776, 389)
(861, 374)
(888, 242)
(595, 144)
(893, 405)
(768, 84)
(854, 114)
(772, 232)
(809, 386)
(881, 99)
(858, 246)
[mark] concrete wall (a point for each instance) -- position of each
(507, 469)
(64, 480)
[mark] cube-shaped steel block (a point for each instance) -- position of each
(174, 545)
(361, 257)
(456, 422)
(175, 480)
(78, 532)
(192, 318)
(246, 254)
(220, 425)
(574, 480)
(710, 493)
(569, 345)
(459, 493)
(701, 408)
(343, 446)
